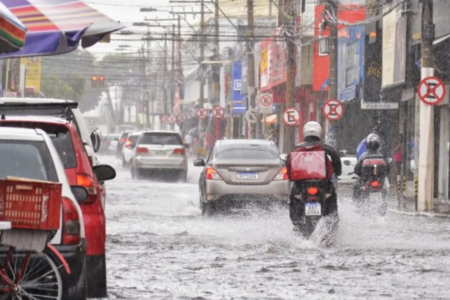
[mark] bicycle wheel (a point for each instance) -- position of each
(34, 277)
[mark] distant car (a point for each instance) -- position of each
(30, 153)
(112, 141)
(122, 140)
(242, 170)
(159, 152)
(128, 148)
(348, 166)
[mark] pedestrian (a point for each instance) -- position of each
(398, 158)
(271, 136)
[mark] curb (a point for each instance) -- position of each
(422, 214)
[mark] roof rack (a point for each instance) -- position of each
(14, 108)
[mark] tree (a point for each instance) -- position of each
(69, 86)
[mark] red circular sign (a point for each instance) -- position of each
(218, 112)
(172, 119)
(201, 113)
(291, 117)
(266, 100)
(165, 119)
(333, 109)
(182, 118)
(431, 90)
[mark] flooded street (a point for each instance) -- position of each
(159, 246)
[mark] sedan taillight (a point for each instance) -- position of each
(211, 174)
(141, 150)
(179, 151)
(282, 175)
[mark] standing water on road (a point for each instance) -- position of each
(160, 247)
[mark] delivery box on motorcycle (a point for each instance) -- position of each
(374, 167)
(309, 164)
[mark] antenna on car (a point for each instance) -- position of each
(3, 117)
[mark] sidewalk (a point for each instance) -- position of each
(441, 208)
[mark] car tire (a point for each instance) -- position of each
(78, 292)
(208, 209)
(182, 176)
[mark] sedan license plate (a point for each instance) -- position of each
(313, 209)
(376, 197)
(247, 175)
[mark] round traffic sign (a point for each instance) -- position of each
(182, 118)
(431, 90)
(218, 112)
(291, 117)
(165, 119)
(172, 119)
(266, 100)
(201, 113)
(333, 110)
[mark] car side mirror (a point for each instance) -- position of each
(389, 160)
(347, 162)
(104, 172)
(186, 145)
(80, 193)
(199, 162)
(96, 139)
(283, 156)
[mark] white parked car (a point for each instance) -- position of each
(348, 166)
(128, 148)
(159, 152)
(30, 153)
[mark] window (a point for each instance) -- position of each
(60, 136)
(244, 152)
(28, 159)
(160, 139)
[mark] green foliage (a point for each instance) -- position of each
(69, 86)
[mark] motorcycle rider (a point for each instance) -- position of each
(312, 133)
(373, 144)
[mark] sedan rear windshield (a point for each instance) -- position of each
(244, 152)
(28, 159)
(160, 139)
(60, 136)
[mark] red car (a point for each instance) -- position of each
(79, 172)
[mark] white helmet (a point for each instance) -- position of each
(312, 129)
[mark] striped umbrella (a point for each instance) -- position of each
(12, 31)
(59, 26)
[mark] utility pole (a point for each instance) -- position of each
(251, 92)
(280, 12)
(201, 125)
(289, 139)
(180, 63)
(172, 77)
(331, 6)
(426, 136)
(166, 110)
(147, 69)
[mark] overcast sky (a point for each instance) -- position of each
(128, 12)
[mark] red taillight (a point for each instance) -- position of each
(375, 184)
(211, 174)
(87, 182)
(282, 175)
(71, 223)
(127, 144)
(141, 150)
(313, 190)
(179, 151)
(123, 140)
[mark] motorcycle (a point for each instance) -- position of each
(370, 190)
(313, 196)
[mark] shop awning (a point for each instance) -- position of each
(59, 26)
(272, 119)
(12, 31)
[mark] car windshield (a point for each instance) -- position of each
(60, 136)
(161, 139)
(244, 152)
(27, 159)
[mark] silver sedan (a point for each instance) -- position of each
(242, 170)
